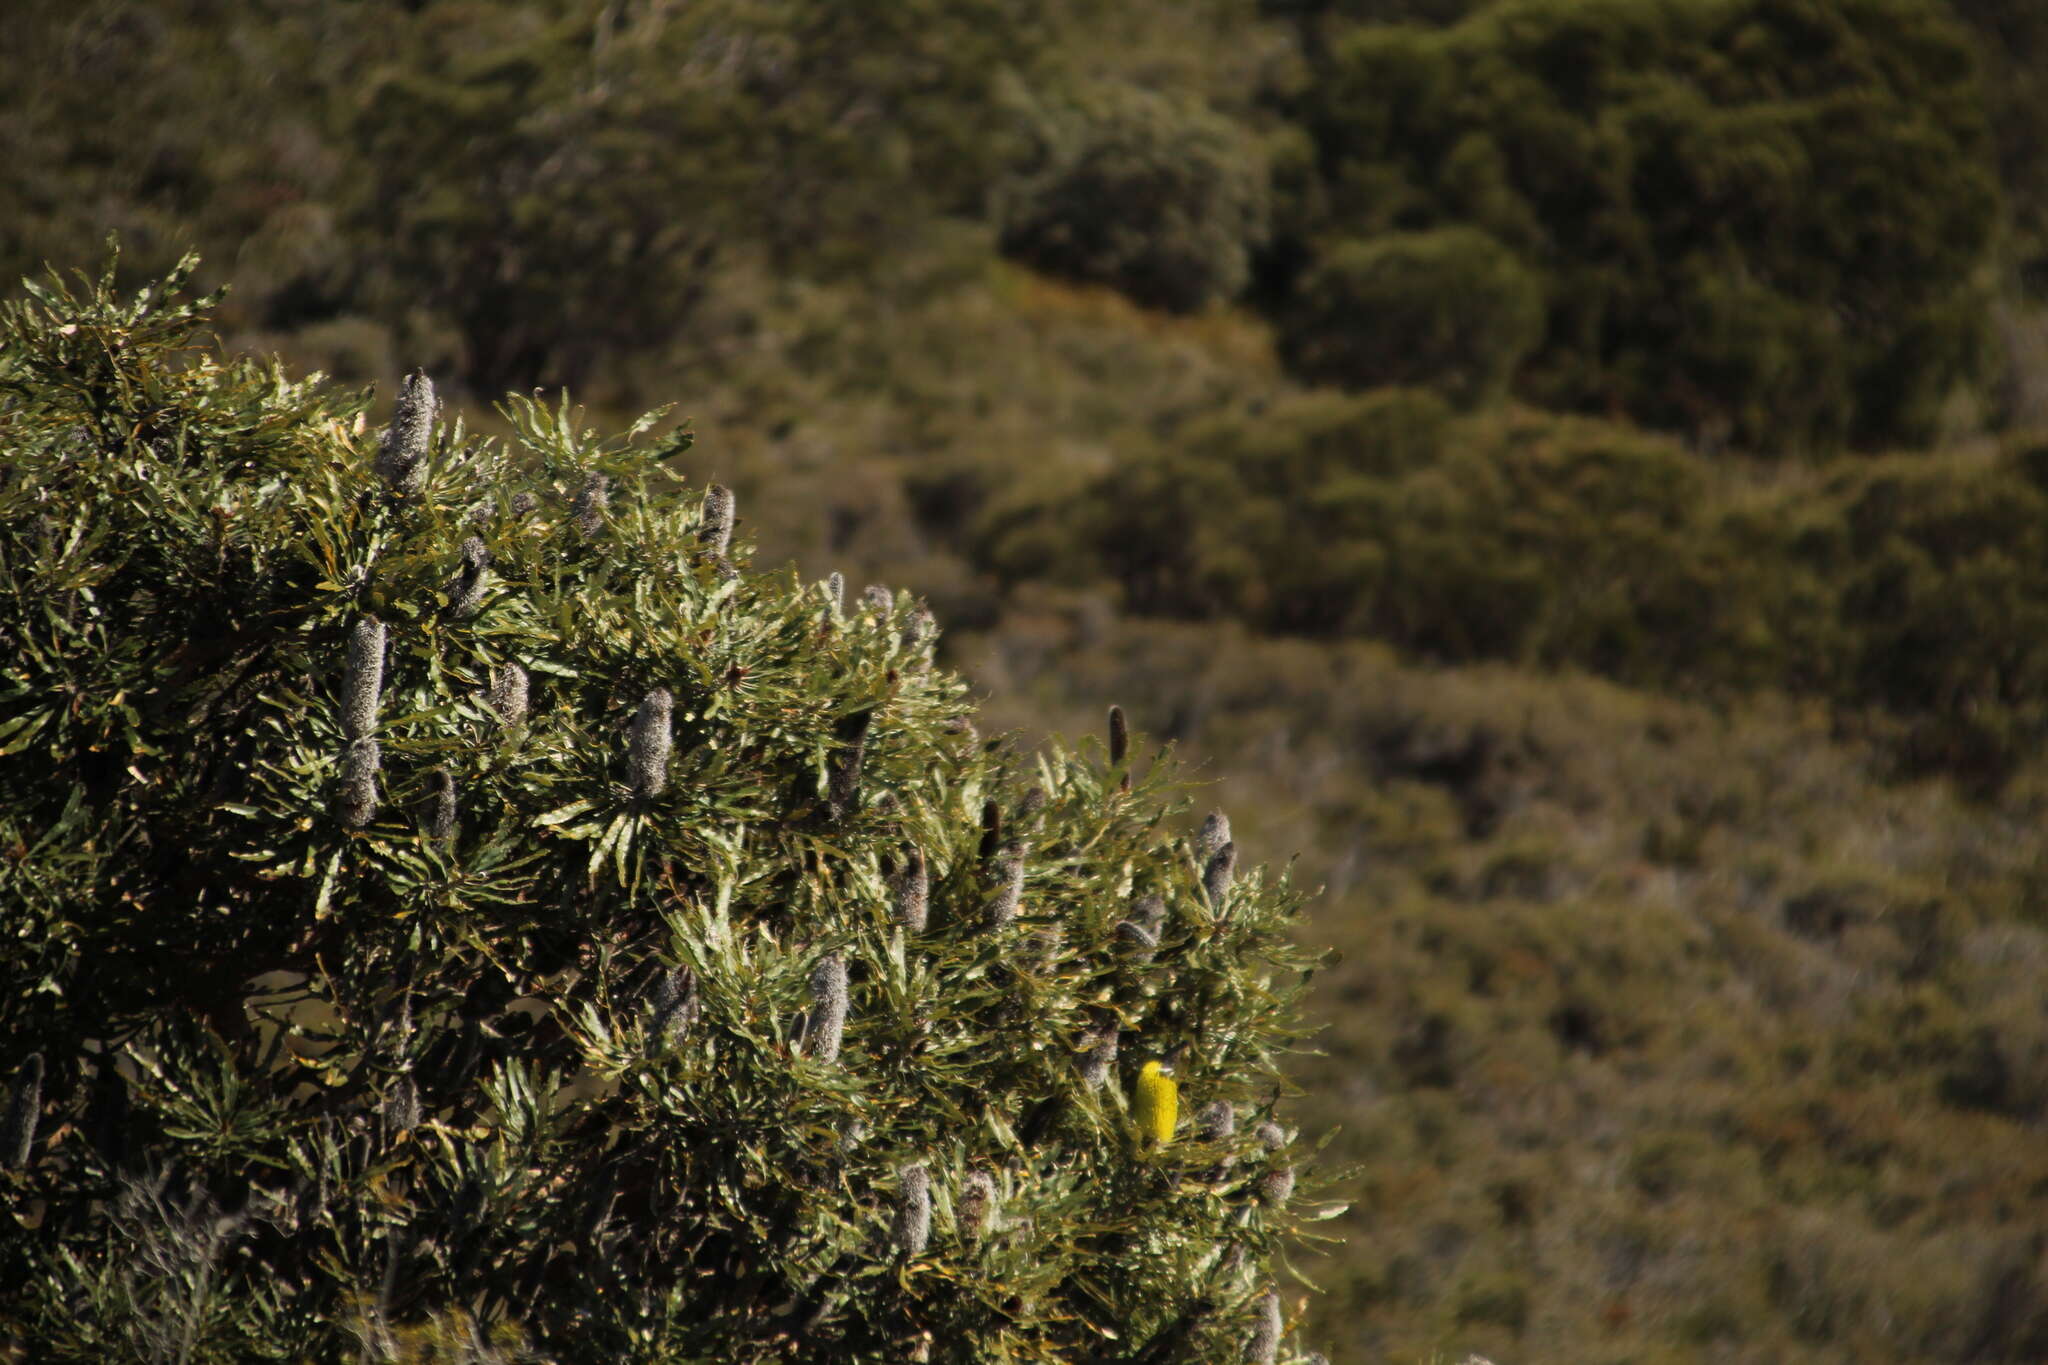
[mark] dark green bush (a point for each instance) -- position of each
(1903, 587)
(1150, 194)
(1450, 309)
(1757, 219)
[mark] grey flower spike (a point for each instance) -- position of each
(24, 1108)
(827, 1022)
(1264, 1348)
(914, 1211)
(1029, 807)
(913, 891)
(508, 694)
(921, 628)
(1217, 1121)
(835, 593)
(362, 681)
(842, 772)
(592, 500)
(1276, 1185)
(976, 1206)
(523, 505)
(1139, 934)
(1101, 1058)
(1009, 887)
(676, 1006)
(401, 458)
(650, 743)
(878, 597)
(1138, 938)
(714, 532)
(1216, 878)
(359, 782)
(466, 589)
(444, 804)
(1215, 834)
(402, 1106)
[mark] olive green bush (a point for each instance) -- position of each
(1449, 309)
(1758, 220)
(1907, 591)
(1150, 194)
(458, 908)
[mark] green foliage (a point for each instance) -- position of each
(1757, 219)
(514, 193)
(1152, 195)
(1450, 309)
(384, 999)
(1903, 588)
(562, 190)
(2012, 42)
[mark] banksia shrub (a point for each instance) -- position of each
(638, 1066)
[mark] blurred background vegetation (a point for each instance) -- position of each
(1577, 469)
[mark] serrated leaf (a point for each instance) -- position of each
(560, 814)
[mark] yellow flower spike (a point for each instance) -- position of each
(1158, 1102)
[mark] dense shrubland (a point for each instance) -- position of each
(1662, 1031)
(1903, 589)
(1757, 220)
